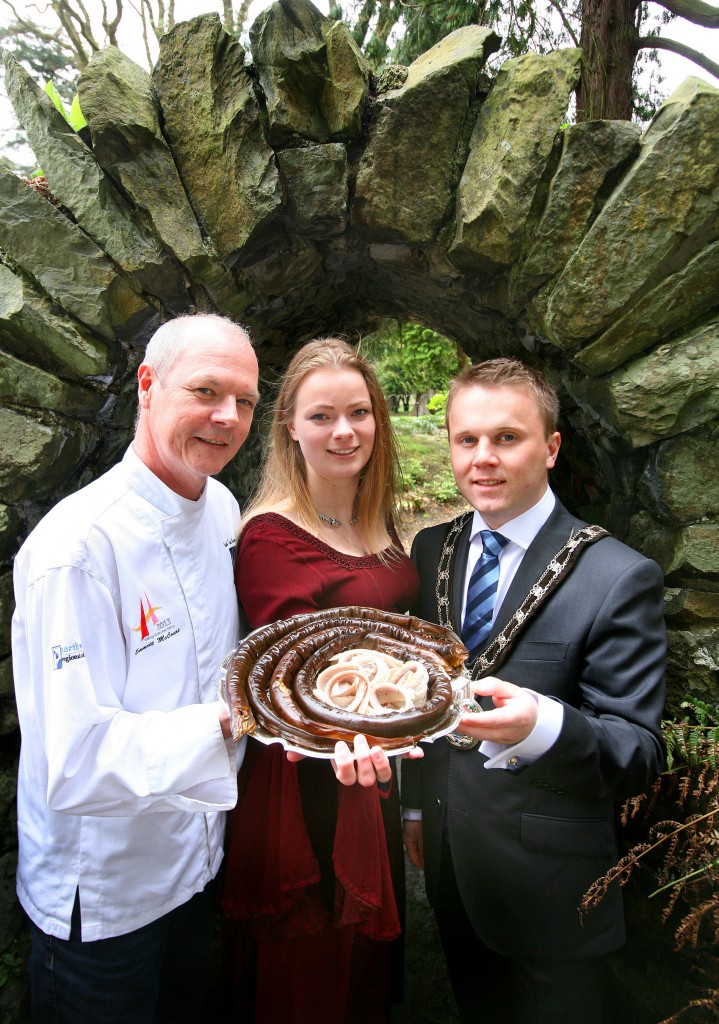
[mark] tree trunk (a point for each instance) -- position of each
(609, 39)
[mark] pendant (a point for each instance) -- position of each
(331, 521)
(466, 702)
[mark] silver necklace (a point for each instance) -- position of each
(331, 521)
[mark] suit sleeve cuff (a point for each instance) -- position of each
(550, 717)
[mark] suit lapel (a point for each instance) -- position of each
(458, 571)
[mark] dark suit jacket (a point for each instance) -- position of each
(527, 843)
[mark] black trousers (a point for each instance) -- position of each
(494, 989)
(158, 974)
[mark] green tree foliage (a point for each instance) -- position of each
(46, 55)
(57, 45)
(395, 31)
(72, 30)
(61, 46)
(620, 38)
(412, 360)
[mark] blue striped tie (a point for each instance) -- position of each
(482, 593)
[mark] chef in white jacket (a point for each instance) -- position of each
(125, 607)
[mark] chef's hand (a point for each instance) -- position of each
(511, 720)
(225, 722)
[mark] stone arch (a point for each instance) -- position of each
(297, 193)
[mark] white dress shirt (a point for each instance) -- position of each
(520, 533)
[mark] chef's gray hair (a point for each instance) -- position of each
(173, 337)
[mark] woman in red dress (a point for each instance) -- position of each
(314, 884)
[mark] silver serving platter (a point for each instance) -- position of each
(264, 736)
(433, 734)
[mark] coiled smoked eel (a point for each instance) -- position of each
(276, 711)
(253, 656)
(393, 723)
(287, 668)
(260, 639)
(279, 662)
(395, 626)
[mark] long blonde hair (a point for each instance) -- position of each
(284, 481)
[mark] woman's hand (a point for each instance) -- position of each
(366, 765)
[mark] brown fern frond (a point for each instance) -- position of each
(40, 185)
(700, 782)
(621, 872)
(685, 865)
(652, 796)
(672, 900)
(709, 1002)
(685, 783)
(710, 782)
(664, 828)
(631, 808)
(688, 930)
(666, 871)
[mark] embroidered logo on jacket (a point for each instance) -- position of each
(151, 627)
(231, 546)
(62, 653)
(147, 614)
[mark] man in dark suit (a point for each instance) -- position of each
(514, 831)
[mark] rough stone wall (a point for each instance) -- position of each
(292, 190)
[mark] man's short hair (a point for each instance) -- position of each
(496, 373)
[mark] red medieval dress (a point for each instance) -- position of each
(313, 895)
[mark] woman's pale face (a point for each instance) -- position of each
(334, 424)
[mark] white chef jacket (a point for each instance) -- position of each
(125, 607)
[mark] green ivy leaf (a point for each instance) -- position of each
(56, 98)
(76, 118)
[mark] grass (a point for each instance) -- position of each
(429, 494)
(426, 472)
